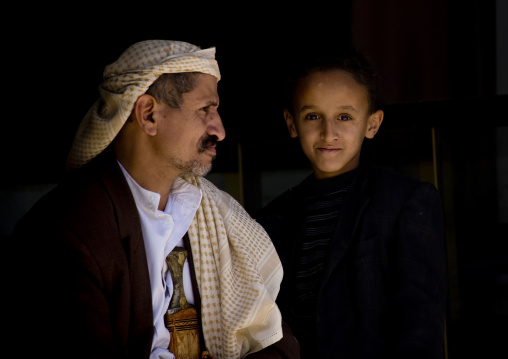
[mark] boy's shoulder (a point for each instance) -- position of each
(389, 175)
(397, 184)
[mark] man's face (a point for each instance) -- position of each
(331, 121)
(188, 135)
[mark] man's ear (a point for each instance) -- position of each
(144, 109)
(374, 122)
(290, 123)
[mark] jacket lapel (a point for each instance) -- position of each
(129, 226)
(354, 205)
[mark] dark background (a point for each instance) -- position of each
(443, 91)
(428, 50)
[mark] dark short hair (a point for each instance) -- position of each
(349, 60)
(169, 88)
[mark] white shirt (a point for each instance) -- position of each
(162, 231)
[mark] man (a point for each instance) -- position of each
(99, 281)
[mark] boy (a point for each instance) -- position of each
(362, 248)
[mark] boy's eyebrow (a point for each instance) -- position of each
(350, 108)
(306, 107)
(342, 108)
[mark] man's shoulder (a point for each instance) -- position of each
(77, 194)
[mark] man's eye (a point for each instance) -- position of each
(344, 118)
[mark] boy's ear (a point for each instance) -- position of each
(290, 123)
(144, 109)
(374, 122)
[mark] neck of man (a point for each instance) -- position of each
(148, 173)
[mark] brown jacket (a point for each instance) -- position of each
(90, 287)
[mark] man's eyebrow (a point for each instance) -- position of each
(212, 103)
(208, 99)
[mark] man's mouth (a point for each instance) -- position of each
(209, 143)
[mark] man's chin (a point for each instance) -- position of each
(202, 170)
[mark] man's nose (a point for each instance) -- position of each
(216, 127)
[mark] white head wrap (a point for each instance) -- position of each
(124, 81)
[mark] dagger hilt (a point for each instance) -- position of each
(175, 261)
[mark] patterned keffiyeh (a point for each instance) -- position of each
(238, 273)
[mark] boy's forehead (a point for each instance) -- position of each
(328, 81)
(327, 75)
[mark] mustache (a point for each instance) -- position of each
(208, 141)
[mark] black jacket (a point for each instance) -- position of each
(384, 288)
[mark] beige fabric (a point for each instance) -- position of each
(238, 273)
(124, 81)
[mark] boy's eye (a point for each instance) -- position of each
(344, 118)
(311, 116)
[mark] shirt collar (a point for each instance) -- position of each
(187, 194)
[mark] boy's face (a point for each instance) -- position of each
(331, 120)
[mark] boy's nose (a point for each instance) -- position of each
(329, 131)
